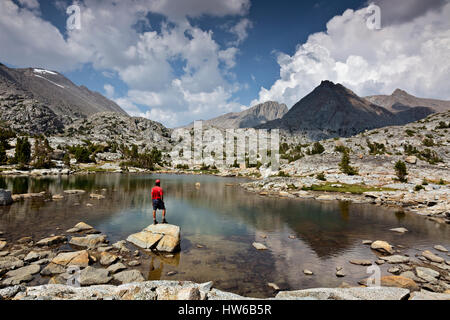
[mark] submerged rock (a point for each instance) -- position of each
(81, 226)
(399, 230)
(107, 258)
(440, 248)
(5, 197)
(259, 246)
(51, 241)
(396, 259)
(382, 246)
(74, 191)
(361, 262)
(432, 257)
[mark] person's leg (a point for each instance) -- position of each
(164, 216)
(154, 217)
(163, 207)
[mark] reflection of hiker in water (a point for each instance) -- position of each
(155, 273)
(158, 202)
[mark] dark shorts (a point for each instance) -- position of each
(158, 204)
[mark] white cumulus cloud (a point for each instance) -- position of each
(413, 55)
(176, 74)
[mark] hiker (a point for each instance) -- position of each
(158, 201)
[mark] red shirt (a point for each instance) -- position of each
(157, 193)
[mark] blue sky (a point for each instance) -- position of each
(174, 63)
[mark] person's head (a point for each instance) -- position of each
(158, 182)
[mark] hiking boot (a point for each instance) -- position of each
(164, 221)
(155, 222)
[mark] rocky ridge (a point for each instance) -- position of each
(249, 118)
(400, 100)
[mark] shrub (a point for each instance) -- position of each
(418, 188)
(341, 149)
(283, 174)
(376, 148)
(321, 177)
(345, 166)
(410, 133)
(317, 148)
(401, 171)
(443, 125)
(430, 156)
(428, 142)
(82, 155)
(66, 159)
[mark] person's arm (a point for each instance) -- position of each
(162, 195)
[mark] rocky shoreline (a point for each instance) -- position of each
(431, 202)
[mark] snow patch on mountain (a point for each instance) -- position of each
(49, 81)
(43, 71)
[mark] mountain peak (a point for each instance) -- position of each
(399, 92)
(327, 83)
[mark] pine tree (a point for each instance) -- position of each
(42, 154)
(3, 156)
(345, 165)
(400, 170)
(23, 151)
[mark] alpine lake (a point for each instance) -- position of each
(219, 222)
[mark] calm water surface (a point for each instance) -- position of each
(219, 223)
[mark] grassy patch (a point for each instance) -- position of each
(344, 188)
(95, 169)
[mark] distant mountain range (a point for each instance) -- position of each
(331, 110)
(401, 100)
(249, 118)
(59, 94)
(35, 101)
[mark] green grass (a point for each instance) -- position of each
(95, 169)
(344, 188)
(211, 171)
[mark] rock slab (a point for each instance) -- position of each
(162, 237)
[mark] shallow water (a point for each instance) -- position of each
(219, 223)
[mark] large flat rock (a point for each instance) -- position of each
(374, 293)
(92, 276)
(162, 237)
(10, 262)
(90, 241)
(145, 240)
(77, 258)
